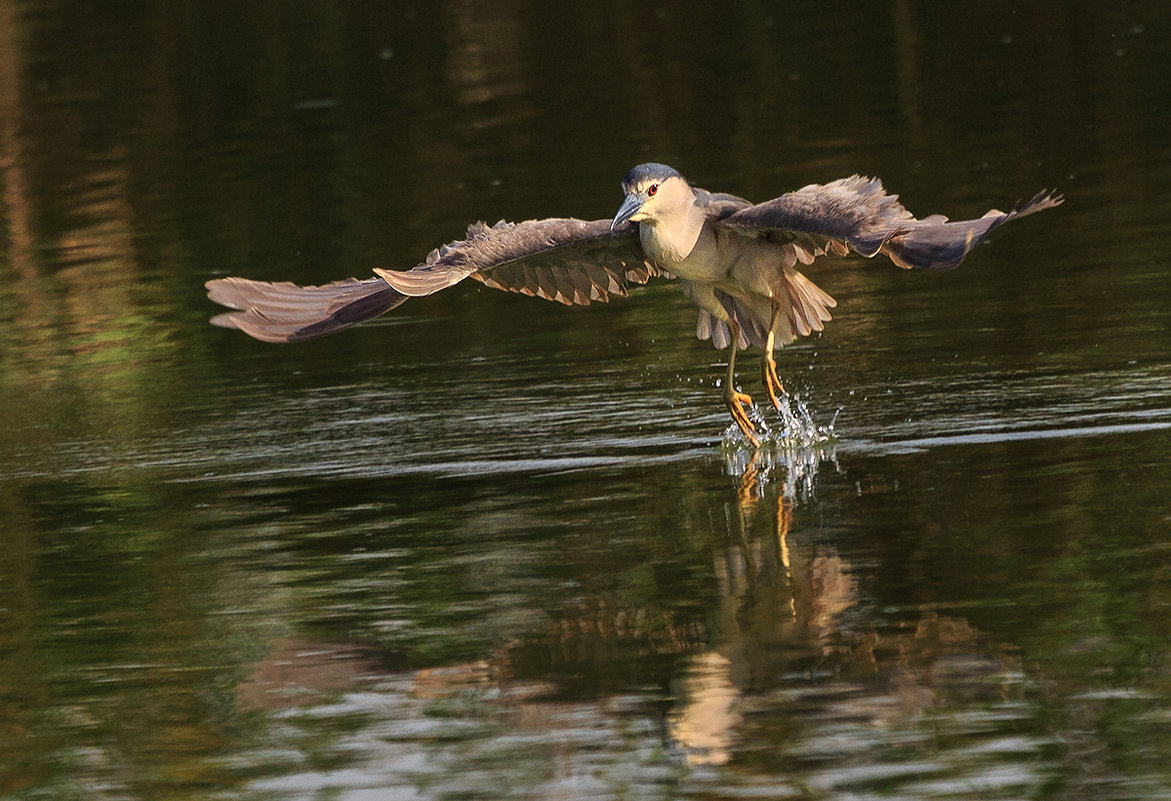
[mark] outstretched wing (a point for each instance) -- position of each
(570, 261)
(856, 214)
(566, 260)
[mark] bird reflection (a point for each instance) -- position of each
(784, 596)
(780, 598)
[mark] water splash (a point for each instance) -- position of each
(794, 449)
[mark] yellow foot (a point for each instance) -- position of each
(770, 379)
(735, 402)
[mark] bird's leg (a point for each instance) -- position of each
(733, 399)
(772, 383)
(768, 374)
(768, 365)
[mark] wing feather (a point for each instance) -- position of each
(285, 312)
(566, 292)
(528, 282)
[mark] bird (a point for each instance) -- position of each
(737, 261)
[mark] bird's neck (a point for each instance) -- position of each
(670, 240)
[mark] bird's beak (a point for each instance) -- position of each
(628, 209)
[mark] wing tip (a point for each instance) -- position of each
(1045, 199)
(286, 312)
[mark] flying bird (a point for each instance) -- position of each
(736, 260)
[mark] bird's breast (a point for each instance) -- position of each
(693, 256)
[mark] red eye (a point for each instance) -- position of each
(650, 190)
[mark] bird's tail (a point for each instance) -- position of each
(285, 312)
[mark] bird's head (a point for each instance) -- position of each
(652, 190)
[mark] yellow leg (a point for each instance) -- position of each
(768, 375)
(768, 365)
(733, 399)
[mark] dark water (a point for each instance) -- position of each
(493, 548)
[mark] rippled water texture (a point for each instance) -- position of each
(490, 547)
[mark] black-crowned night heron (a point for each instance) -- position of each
(737, 262)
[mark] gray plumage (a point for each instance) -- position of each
(737, 262)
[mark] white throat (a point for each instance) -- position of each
(669, 237)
